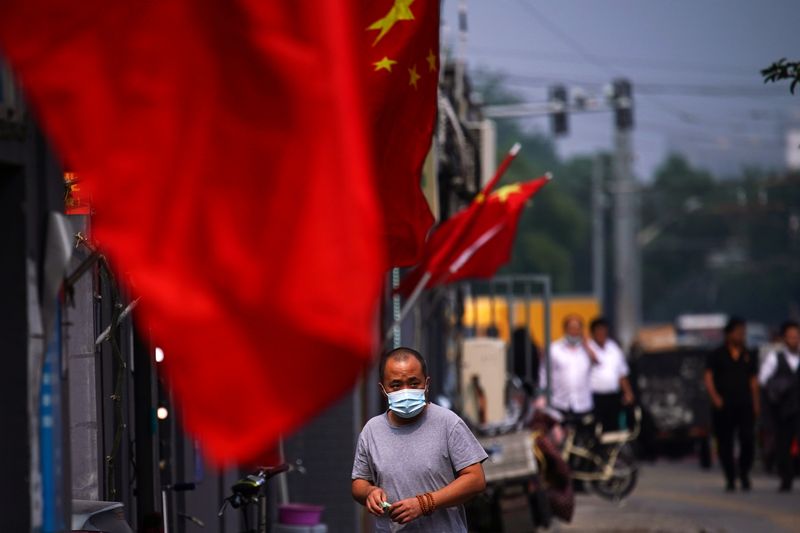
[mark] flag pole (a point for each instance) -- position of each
(507, 160)
(420, 286)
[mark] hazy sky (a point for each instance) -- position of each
(694, 65)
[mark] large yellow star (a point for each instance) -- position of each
(413, 77)
(431, 59)
(401, 10)
(384, 64)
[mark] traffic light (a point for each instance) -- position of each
(558, 113)
(622, 98)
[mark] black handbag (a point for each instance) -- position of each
(783, 388)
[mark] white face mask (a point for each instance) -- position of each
(406, 403)
(573, 340)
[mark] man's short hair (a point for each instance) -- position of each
(570, 317)
(599, 322)
(789, 324)
(401, 353)
(733, 323)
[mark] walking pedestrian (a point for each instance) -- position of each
(611, 389)
(571, 361)
(780, 377)
(417, 463)
(732, 384)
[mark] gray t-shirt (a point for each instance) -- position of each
(416, 458)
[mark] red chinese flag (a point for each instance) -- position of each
(402, 40)
(225, 145)
(479, 237)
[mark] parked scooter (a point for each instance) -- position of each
(605, 459)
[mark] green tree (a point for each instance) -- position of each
(736, 251)
(783, 70)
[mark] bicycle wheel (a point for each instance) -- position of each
(622, 481)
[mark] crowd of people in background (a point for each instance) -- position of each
(589, 384)
(588, 375)
(736, 384)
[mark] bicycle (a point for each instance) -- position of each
(605, 459)
(250, 490)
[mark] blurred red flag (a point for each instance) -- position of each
(476, 241)
(225, 146)
(403, 49)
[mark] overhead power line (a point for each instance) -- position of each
(603, 65)
(642, 62)
(554, 29)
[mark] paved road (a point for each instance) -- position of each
(679, 497)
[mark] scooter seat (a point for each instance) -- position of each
(615, 437)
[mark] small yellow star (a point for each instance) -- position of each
(413, 77)
(400, 10)
(384, 64)
(431, 60)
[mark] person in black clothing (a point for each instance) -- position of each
(780, 377)
(731, 379)
(519, 355)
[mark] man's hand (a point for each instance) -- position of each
(627, 391)
(716, 399)
(541, 402)
(713, 395)
(756, 392)
(588, 349)
(406, 510)
(374, 500)
(627, 398)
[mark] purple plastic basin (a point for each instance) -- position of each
(299, 514)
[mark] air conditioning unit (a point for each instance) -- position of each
(483, 368)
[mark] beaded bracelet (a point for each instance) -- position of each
(423, 504)
(431, 503)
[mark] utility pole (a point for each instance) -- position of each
(627, 260)
(627, 264)
(598, 232)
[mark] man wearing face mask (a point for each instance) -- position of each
(571, 360)
(417, 463)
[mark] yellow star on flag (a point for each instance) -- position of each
(401, 10)
(431, 59)
(504, 192)
(413, 77)
(384, 64)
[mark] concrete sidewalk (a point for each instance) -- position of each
(679, 497)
